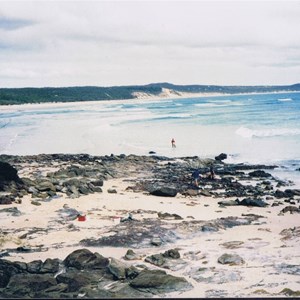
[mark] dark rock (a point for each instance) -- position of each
(98, 182)
(191, 192)
(129, 218)
(117, 268)
(95, 189)
(168, 216)
(289, 292)
(6, 199)
(172, 253)
(163, 191)
(11, 210)
(36, 203)
(209, 228)
(4, 253)
(230, 259)
(8, 173)
(259, 173)
(50, 266)
(131, 255)
(27, 285)
(291, 209)
(85, 259)
(112, 191)
(156, 259)
(55, 291)
(253, 202)
(230, 222)
(288, 193)
(8, 269)
(159, 281)
(132, 272)
(74, 280)
(280, 194)
(44, 186)
(24, 249)
(205, 193)
(221, 157)
(83, 189)
(228, 202)
(34, 266)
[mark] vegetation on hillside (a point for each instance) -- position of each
(88, 93)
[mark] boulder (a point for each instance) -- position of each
(205, 193)
(230, 259)
(98, 182)
(6, 199)
(75, 280)
(156, 259)
(158, 280)
(253, 202)
(117, 268)
(163, 191)
(27, 285)
(50, 266)
(291, 209)
(83, 189)
(172, 253)
(259, 173)
(45, 186)
(34, 266)
(8, 173)
(228, 202)
(221, 157)
(85, 259)
(131, 255)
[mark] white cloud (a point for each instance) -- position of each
(65, 43)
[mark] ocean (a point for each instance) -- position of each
(253, 128)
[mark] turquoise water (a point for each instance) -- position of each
(262, 128)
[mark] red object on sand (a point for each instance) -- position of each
(81, 218)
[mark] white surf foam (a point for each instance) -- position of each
(285, 99)
(250, 133)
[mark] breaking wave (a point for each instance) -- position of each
(249, 133)
(285, 99)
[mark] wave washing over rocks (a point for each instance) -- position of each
(82, 226)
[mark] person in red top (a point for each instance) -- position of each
(173, 143)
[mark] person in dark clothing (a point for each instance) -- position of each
(211, 174)
(196, 176)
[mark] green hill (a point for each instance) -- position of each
(88, 93)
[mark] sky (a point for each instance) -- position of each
(108, 43)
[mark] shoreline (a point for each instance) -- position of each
(153, 98)
(263, 236)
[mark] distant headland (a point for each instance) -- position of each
(10, 96)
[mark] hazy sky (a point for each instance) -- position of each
(105, 43)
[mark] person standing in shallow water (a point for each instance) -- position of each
(173, 143)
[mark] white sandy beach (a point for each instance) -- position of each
(261, 246)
